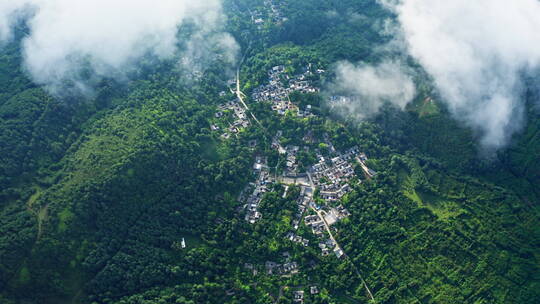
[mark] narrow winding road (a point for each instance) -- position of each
(320, 215)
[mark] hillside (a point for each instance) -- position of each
(172, 187)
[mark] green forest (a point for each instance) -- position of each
(130, 195)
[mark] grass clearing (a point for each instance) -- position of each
(41, 212)
(64, 218)
(442, 208)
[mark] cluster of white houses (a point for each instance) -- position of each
(291, 236)
(273, 268)
(286, 268)
(260, 187)
(273, 14)
(332, 175)
(326, 244)
(336, 173)
(316, 224)
(306, 195)
(298, 295)
(276, 143)
(275, 11)
(292, 164)
(241, 119)
(279, 87)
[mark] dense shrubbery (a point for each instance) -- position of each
(96, 196)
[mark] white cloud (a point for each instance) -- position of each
(369, 87)
(10, 13)
(109, 36)
(476, 51)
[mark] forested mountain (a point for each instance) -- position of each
(140, 191)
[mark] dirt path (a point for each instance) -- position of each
(364, 168)
(300, 181)
(240, 95)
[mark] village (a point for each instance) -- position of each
(322, 185)
(259, 188)
(330, 177)
(273, 12)
(239, 115)
(275, 92)
(280, 85)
